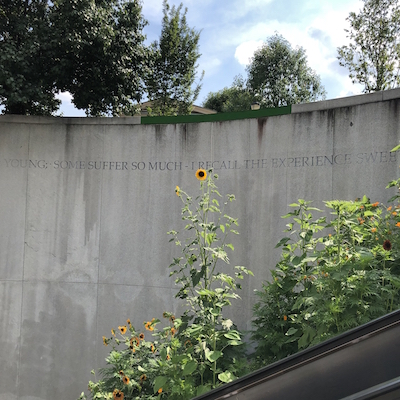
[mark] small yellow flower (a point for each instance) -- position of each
(285, 317)
(121, 372)
(394, 213)
(373, 230)
(389, 208)
(143, 377)
(201, 174)
(159, 391)
(141, 336)
(152, 348)
(148, 326)
(172, 318)
(122, 329)
(177, 190)
(125, 379)
(398, 224)
(376, 204)
(128, 321)
(105, 341)
(113, 332)
(173, 331)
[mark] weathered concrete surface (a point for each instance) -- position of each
(86, 204)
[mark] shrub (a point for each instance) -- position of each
(332, 276)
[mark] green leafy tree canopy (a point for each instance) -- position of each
(102, 54)
(372, 56)
(171, 81)
(27, 75)
(281, 76)
(277, 75)
(238, 97)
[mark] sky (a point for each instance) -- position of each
(231, 30)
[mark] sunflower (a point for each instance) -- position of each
(125, 379)
(128, 321)
(285, 317)
(136, 340)
(105, 341)
(177, 190)
(387, 245)
(398, 224)
(376, 204)
(143, 377)
(188, 343)
(173, 331)
(148, 326)
(121, 372)
(201, 174)
(159, 391)
(118, 395)
(152, 348)
(172, 318)
(373, 230)
(141, 336)
(113, 332)
(389, 208)
(165, 315)
(122, 329)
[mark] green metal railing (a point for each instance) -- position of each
(229, 116)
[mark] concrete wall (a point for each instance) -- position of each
(85, 205)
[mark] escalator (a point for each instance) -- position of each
(363, 363)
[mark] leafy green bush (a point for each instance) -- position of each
(333, 276)
(201, 349)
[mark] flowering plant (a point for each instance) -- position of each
(201, 349)
(332, 276)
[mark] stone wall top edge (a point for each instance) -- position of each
(347, 101)
(31, 119)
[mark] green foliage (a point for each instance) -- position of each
(27, 74)
(200, 350)
(235, 98)
(102, 54)
(280, 75)
(94, 50)
(172, 74)
(332, 276)
(277, 76)
(372, 56)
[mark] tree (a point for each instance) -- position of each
(27, 80)
(238, 97)
(92, 48)
(280, 75)
(173, 71)
(102, 53)
(373, 55)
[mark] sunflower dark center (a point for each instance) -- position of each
(201, 174)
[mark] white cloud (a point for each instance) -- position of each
(210, 65)
(319, 36)
(245, 51)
